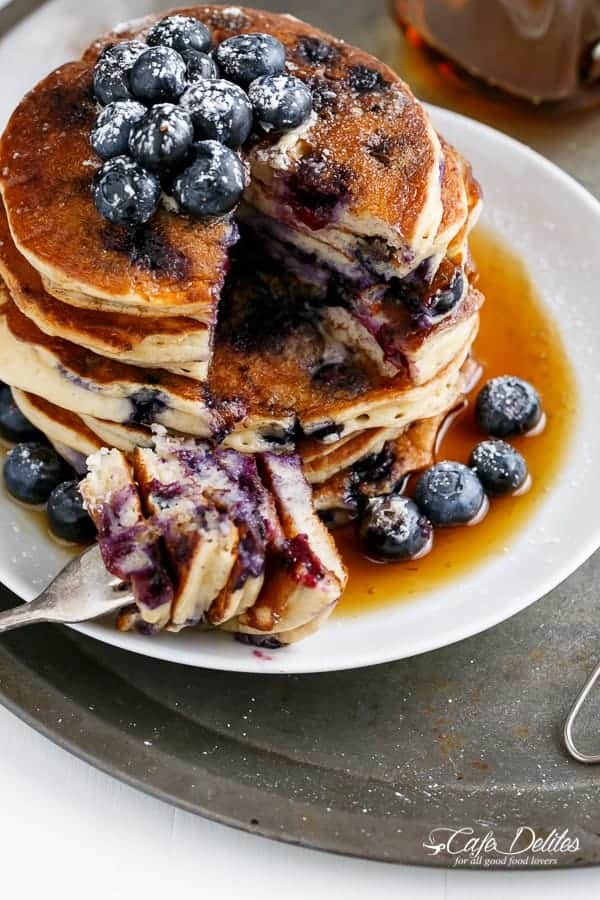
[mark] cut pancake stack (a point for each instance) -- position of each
(339, 326)
(212, 536)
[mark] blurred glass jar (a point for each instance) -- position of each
(544, 50)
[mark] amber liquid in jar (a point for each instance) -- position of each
(517, 337)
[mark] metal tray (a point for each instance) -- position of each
(371, 762)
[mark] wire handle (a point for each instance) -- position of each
(589, 758)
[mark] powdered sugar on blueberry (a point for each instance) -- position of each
(162, 138)
(110, 134)
(192, 96)
(280, 102)
(220, 111)
(181, 33)
(248, 56)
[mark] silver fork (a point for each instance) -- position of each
(83, 590)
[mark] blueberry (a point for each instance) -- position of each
(213, 184)
(220, 111)
(506, 406)
(244, 57)
(394, 528)
(500, 468)
(280, 102)
(365, 80)
(444, 300)
(32, 471)
(67, 516)
(158, 75)
(124, 192)
(199, 66)
(110, 134)
(181, 33)
(112, 72)
(316, 51)
(162, 139)
(14, 427)
(450, 494)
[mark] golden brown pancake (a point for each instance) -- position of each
(391, 175)
(272, 358)
(173, 265)
(320, 462)
(410, 451)
(83, 382)
(175, 343)
(60, 426)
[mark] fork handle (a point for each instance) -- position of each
(25, 614)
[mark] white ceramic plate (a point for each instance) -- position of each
(554, 224)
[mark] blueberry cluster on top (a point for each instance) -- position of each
(175, 111)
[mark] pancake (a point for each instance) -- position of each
(377, 462)
(273, 370)
(83, 435)
(201, 540)
(173, 265)
(123, 437)
(85, 383)
(320, 462)
(67, 432)
(307, 576)
(338, 498)
(176, 343)
(229, 483)
(193, 522)
(129, 543)
(333, 255)
(397, 342)
(387, 185)
(272, 357)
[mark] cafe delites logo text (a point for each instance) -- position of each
(527, 847)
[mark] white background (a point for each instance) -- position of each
(68, 831)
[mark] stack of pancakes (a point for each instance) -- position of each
(299, 335)
(210, 536)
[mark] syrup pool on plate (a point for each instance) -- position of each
(517, 337)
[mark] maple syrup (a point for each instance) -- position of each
(517, 337)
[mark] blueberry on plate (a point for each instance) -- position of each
(244, 57)
(110, 135)
(181, 33)
(506, 406)
(280, 102)
(67, 517)
(158, 75)
(450, 493)
(14, 427)
(112, 72)
(162, 139)
(32, 471)
(124, 192)
(220, 111)
(199, 66)
(214, 182)
(394, 528)
(500, 468)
